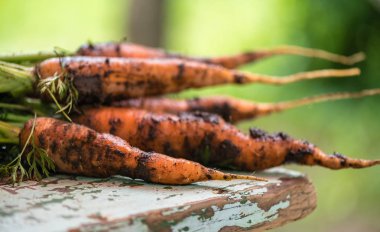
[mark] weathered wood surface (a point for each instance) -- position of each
(62, 203)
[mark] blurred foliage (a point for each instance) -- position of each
(27, 26)
(347, 199)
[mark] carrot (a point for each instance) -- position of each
(130, 50)
(231, 109)
(79, 150)
(207, 139)
(99, 79)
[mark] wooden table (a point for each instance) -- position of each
(62, 203)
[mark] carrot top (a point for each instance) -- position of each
(18, 80)
(29, 161)
(38, 163)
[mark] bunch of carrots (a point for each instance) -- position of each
(100, 112)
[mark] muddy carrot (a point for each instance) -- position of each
(99, 79)
(207, 139)
(231, 109)
(79, 150)
(131, 50)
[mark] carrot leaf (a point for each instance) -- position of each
(60, 88)
(39, 162)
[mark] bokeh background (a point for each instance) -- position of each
(348, 200)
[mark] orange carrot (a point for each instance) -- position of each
(106, 79)
(231, 109)
(79, 150)
(99, 79)
(207, 139)
(130, 50)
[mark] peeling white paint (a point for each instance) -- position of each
(136, 225)
(252, 192)
(176, 210)
(235, 214)
(59, 203)
(280, 171)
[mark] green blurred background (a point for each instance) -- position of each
(348, 200)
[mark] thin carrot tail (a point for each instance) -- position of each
(313, 53)
(242, 77)
(217, 175)
(243, 177)
(303, 152)
(338, 161)
(267, 108)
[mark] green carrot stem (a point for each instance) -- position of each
(20, 80)
(26, 104)
(16, 70)
(36, 56)
(17, 124)
(13, 106)
(9, 132)
(16, 79)
(9, 141)
(36, 106)
(27, 57)
(11, 117)
(39, 162)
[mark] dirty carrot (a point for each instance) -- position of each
(231, 109)
(99, 79)
(207, 139)
(131, 50)
(76, 149)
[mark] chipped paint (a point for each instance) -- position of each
(65, 202)
(137, 224)
(176, 210)
(241, 195)
(280, 171)
(235, 214)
